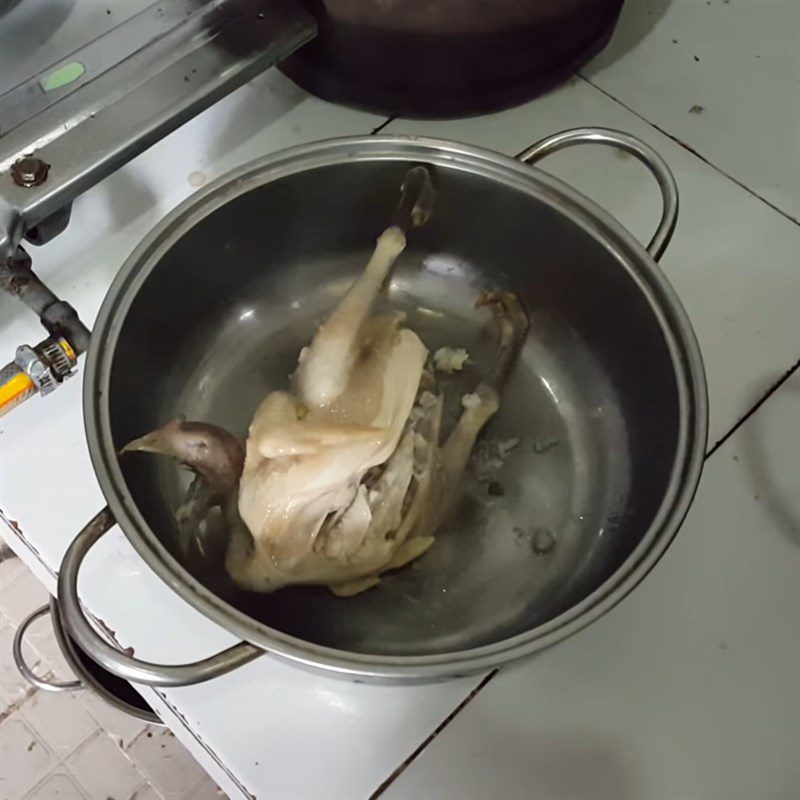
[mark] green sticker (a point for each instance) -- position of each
(62, 76)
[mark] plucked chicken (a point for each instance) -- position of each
(343, 477)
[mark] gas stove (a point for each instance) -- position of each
(75, 121)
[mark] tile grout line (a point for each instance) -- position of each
(60, 758)
(100, 732)
(382, 125)
(16, 705)
(63, 763)
(431, 736)
(30, 692)
(769, 392)
(690, 149)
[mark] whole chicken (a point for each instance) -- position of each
(343, 477)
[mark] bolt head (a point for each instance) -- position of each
(29, 171)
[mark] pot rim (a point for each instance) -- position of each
(514, 175)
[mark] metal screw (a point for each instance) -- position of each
(29, 172)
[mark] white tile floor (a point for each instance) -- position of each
(74, 745)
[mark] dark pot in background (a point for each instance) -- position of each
(440, 58)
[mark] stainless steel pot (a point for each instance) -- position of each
(608, 398)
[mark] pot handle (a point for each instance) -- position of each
(115, 661)
(637, 148)
(22, 665)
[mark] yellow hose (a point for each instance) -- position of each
(14, 390)
(17, 386)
